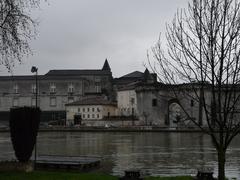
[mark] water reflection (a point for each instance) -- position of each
(154, 153)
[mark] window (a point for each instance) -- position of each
(53, 101)
(79, 110)
(83, 109)
(70, 88)
(52, 88)
(70, 99)
(88, 115)
(97, 115)
(97, 87)
(88, 109)
(15, 102)
(154, 102)
(97, 79)
(98, 110)
(83, 115)
(192, 103)
(33, 88)
(132, 101)
(93, 116)
(93, 109)
(33, 102)
(15, 88)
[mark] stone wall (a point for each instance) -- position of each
(127, 103)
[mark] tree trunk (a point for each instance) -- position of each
(221, 164)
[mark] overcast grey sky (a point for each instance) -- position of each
(81, 34)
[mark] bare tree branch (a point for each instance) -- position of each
(17, 28)
(203, 52)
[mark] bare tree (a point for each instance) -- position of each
(203, 53)
(17, 28)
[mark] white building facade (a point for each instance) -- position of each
(90, 111)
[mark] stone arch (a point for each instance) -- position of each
(174, 113)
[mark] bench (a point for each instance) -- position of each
(132, 175)
(205, 175)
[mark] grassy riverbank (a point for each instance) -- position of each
(170, 178)
(45, 175)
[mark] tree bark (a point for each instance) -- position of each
(221, 163)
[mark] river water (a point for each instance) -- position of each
(155, 154)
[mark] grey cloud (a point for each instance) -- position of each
(82, 33)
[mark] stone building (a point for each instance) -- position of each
(155, 104)
(140, 98)
(55, 89)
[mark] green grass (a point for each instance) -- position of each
(47, 175)
(170, 178)
(40, 175)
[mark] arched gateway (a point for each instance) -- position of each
(176, 116)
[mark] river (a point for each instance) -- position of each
(165, 154)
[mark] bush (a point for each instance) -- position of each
(24, 123)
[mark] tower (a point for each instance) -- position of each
(106, 66)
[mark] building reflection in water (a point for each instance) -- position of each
(153, 153)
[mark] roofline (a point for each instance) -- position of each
(40, 77)
(84, 70)
(88, 104)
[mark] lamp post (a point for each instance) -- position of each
(35, 70)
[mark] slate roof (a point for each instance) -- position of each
(40, 77)
(135, 74)
(129, 78)
(134, 77)
(136, 85)
(130, 86)
(77, 72)
(93, 101)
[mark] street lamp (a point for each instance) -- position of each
(34, 69)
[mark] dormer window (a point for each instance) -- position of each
(70, 88)
(15, 88)
(52, 88)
